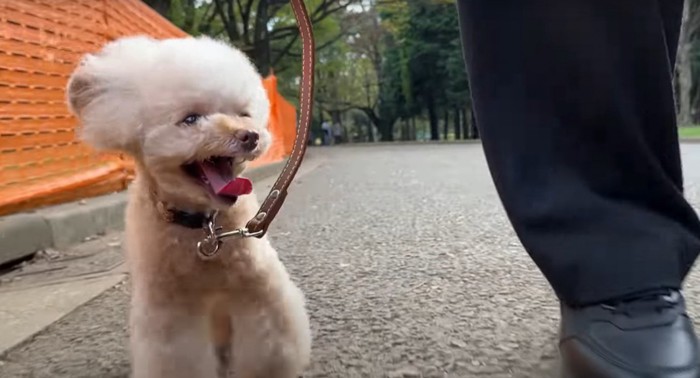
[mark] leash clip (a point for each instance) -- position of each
(208, 247)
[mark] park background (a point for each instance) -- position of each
(387, 70)
(395, 232)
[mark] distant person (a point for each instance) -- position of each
(575, 108)
(326, 127)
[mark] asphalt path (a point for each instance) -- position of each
(409, 265)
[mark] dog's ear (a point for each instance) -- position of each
(100, 107)
(81, 88)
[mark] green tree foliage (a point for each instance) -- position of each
(264, 29)
(392, 61)
(438, 78)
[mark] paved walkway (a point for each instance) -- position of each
(410, 269)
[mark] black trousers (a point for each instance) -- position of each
(574, 103)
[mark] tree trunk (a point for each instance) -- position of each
(433, 117)
(189, 16)
(446, 126)
(414, 135)
(386, 131)
(337, 120)
(457, 125)
(321, 115)
(464, 123)
(261, 38)
(474, 128)
(684, 69)
(160, 6)
(695, 114)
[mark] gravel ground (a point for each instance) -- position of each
(409, 266)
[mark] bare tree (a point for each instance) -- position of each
(684, 68)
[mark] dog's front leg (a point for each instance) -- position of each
(272, 339)
(170, 341)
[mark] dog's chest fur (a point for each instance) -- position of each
(165, 253)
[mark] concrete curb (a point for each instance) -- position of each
(23, 234)
(29, 311)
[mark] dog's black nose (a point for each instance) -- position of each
(248, 139)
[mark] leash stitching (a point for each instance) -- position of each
(285, 176)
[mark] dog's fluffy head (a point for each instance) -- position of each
(170, 104)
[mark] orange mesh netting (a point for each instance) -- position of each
(41, 41)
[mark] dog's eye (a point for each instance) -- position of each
(191, 119)
(245, 115)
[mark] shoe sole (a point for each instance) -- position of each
(563, 372)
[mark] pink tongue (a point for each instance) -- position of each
(223, 187)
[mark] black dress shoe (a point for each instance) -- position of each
(649, 336)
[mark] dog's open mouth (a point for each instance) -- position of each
(216, 174)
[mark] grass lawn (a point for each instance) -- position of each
(689, 132)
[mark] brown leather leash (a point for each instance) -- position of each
(269, 208)
(258, 225)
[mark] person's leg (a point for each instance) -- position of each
(671, 16)
(574, 104)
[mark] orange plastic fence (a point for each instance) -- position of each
(282, 124)
(41, 41)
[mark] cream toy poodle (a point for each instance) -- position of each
(192, 112)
